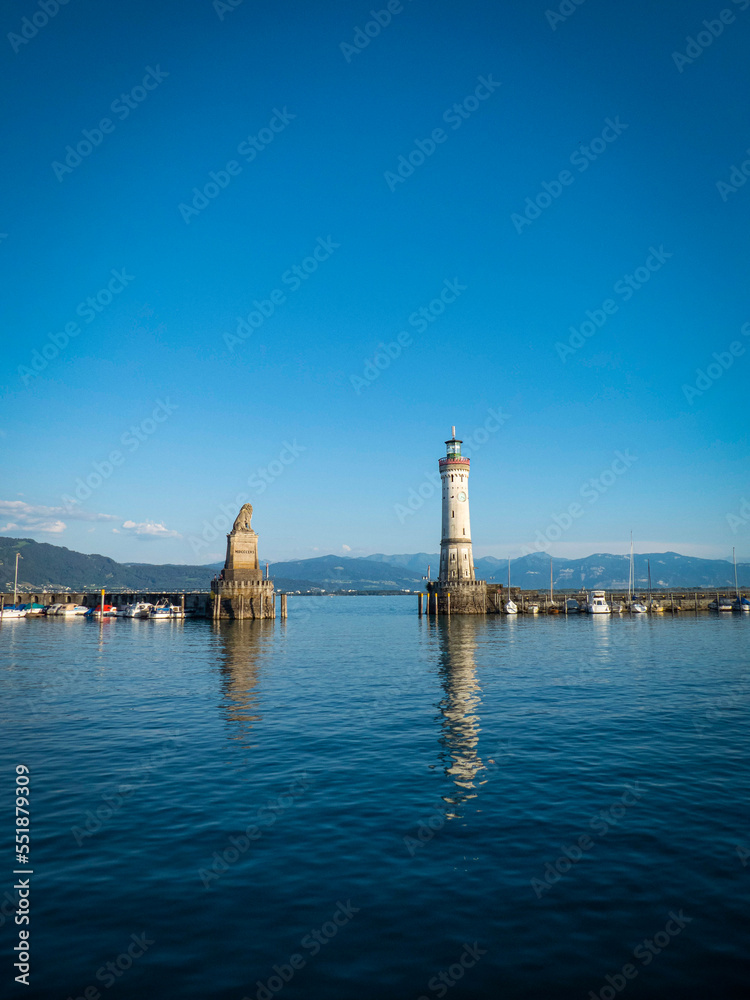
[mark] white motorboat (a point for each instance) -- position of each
(177, 611)
(596, 603)
(13, 613)
(72, 610)
(53, 609)
(160, 611)
(138, 609)
(532, 609)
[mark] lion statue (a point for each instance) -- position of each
(242, 523)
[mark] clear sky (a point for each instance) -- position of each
(261, 338)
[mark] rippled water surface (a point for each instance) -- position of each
(334, 807)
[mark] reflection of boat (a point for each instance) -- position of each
(596, 603)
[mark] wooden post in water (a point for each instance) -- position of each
(182, 605)
(448, 604)
(671, 597)
(283, 606)
(419, 602)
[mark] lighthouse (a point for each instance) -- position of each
(456, 590)
(456, 559)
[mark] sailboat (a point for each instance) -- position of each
(740, 603)
(510, 606)
(635, 606)
(553, 608)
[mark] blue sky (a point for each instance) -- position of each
(261, 339)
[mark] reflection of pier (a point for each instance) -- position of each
(460, 725)
(241, 645)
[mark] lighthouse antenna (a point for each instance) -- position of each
(453, 431)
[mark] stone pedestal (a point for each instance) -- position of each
(467, 597)
(240, 591)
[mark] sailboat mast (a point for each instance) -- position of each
(550, 581)
(736, 588)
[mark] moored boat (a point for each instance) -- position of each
(572, 606)
(12, 613)
(596, 603)
(72, 610)
(110, 611)
(510, 608)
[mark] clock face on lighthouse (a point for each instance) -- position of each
(462, 496)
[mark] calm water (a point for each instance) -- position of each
(370, 793)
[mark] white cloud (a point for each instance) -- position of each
(150, 529)
(35, 517)
(346, 548)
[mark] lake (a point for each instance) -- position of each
(358, 803)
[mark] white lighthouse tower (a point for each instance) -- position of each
(456, 590)
(456, 559)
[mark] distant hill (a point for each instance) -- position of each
(604, 570)
(54, 567)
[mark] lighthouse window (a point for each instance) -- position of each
(464, 530)
(453, 513)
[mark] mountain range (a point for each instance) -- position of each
(53, 567)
